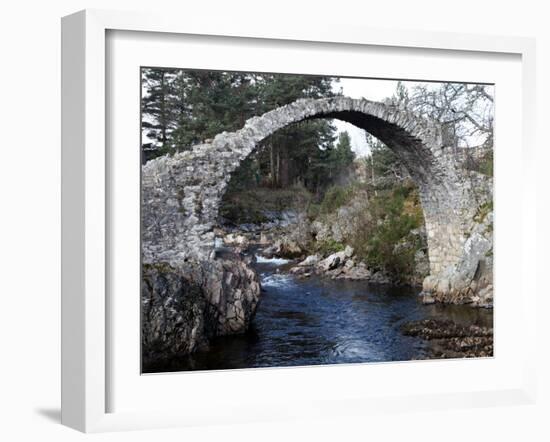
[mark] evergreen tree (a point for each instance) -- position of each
(343, 154)
(290, 151)
(181, 108)
(157, 107)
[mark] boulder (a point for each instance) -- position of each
(348, 251)
(321, 231)
(311, 260)
(427, 298)
(332, 261)
(354, 271)
(300, 271)
(485, 297)
(284, 248)
(289, 249)
(350, 263)
(184, 307)
(380, 278)
(263, 239)
(234, 239)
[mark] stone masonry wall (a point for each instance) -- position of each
(181, 194)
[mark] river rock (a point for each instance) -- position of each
(284, 248)
(332, 261)
(263, 239)
(350, 263)
(290, 249)
(311, 260)
(300, 271)
(427, 298)
(484, 297)
(321, 231)
(449, 339)
(184, 307)
(353, 271)
(236, 240)
(380, 278)
(348, 252)
(343, 223)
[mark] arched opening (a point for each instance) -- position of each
(182, 195)
(179, 221)
(418, 145)
(329, 200)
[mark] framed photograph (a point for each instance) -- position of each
(270, 223)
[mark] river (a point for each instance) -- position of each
(317, 321)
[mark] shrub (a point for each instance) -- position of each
(313, 210)
(328, 247)
(380, 232)
(336, 197)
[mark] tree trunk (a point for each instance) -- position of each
(284, 175)
(271, 165)
(278, 169)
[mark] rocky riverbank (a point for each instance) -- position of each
(184, 308)
(320, 248)
(451, 340)
(381, 239)
(339, 265)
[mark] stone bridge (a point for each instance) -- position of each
(181, 194)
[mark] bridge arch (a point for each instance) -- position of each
(181, 193)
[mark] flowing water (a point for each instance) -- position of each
(321, 321)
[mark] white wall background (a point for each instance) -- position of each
(30, 219)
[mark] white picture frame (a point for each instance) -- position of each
(85, 201)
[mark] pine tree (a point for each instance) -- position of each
(157, 107)
(289, 150)
(184, 107)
